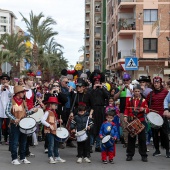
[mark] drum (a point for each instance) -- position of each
(107, 141)
(81, 136)
(38, 115)
(27, 125)
(62, 134)
(155, 120)
(135, 127)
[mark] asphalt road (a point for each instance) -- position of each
(40, 161)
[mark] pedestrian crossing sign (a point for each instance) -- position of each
(131, 63)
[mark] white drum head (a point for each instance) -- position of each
(38, 115)
(80, 133)
(27, 123)
(62, 132)
(106, 139)
(155, 118)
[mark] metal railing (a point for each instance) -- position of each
(119, 1)
(126, 53)
(3, 21)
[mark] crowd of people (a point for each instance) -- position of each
(93, 111)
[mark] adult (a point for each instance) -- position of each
(68, 91)
(6, 92)
(125, 92)
(145, 90)
(156, 102)
(99, 95)
(16, 110)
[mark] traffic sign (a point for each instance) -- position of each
(38, 73)
(131, 63)
(6, 67)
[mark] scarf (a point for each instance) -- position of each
(18, 101)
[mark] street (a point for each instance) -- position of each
(40, 161)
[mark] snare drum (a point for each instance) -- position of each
(155, 120)
(38, 115)
(62, 134)
(107, 141)
(135, 127)
(81, 136)
(27, 125)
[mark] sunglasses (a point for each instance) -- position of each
(5, 79)
(79, 86)
(55, 85)
(66, 82)
(126, 80)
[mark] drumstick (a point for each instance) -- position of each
(60, 122)
(140, 107)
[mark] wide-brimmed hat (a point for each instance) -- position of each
(4, 75)
(53, 100)
(18, 89)
(144, 78)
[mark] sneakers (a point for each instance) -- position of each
(25, 161)
(51, 160)
(30, 155)
(167, 154)
(46, 151)
(104, 162)
(129, 158)
(87, 160)
(147, 150)
(79, 160)
(15, 162)
(157, 153)
(144, 159)
(58, 159)
(111, 161)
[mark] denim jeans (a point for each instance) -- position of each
(52, 145)
(93, 139)
(6, 132)
(17, 137)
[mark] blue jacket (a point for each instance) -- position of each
(108, 129)
(167, 101)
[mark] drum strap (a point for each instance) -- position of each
(140, 102)
(150, 99)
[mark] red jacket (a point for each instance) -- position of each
(133, 102)
(157, 102)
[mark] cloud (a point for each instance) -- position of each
(69, 15)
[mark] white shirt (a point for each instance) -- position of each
(44, 118)
(5, 96)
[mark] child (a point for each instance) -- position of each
(82, 122)
(111, 105)
(50, 126)
(108, 128)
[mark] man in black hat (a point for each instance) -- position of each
(143, 80)
(6, 92)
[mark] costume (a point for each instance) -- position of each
(108, 128)
(132, 110)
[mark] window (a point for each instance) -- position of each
(150, 45)
(150, 16)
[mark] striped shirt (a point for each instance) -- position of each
(10, 115)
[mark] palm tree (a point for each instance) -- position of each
(40, 32)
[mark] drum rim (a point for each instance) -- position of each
(29, 128)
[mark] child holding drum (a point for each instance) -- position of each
(108, 133)
(81, 125)
(50, 126)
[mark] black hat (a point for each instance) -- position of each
(81, 82)
(5, 75)
(144, 78)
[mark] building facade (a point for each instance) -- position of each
(138, 28)
(7, 22)
(95, 34)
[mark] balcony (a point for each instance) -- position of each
(97, 35)
(88, 2)
(126, 4)
(97, 9)
(3, 21)
(87, 10)
(98, 46)
(122, 54)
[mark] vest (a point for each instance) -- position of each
(52, 121)
(19, 114)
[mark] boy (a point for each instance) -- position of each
(82, 122)
(50, 126)
(136, 107)
(108, 128)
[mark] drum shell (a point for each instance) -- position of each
(28, 130)
(108, 143)
(38, 115)
(81, 136)
(64, 137)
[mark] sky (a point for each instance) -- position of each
(69, 15)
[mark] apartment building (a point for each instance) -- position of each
(7, 22)
(95, 44)
(139, 28)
